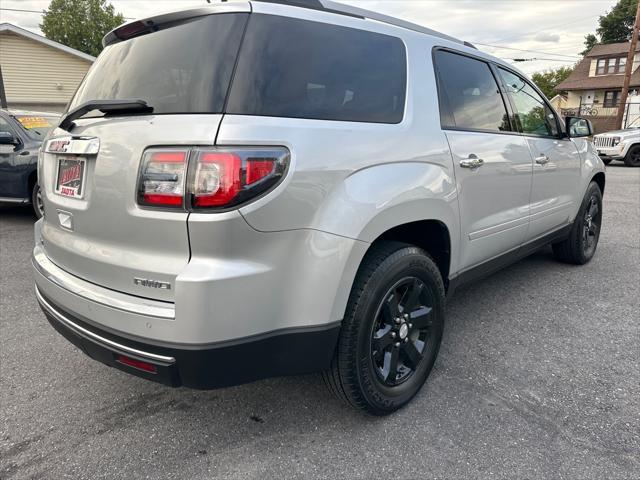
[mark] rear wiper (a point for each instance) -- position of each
(105, 106)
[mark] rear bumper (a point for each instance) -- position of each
(281, 353)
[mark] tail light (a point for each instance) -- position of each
(218, 178)
(162, 178)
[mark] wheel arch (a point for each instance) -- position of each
(600, 180)
(432, 235)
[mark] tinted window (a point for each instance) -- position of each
(469, 95)
(182, 69)
(533, 114)
(302, 69)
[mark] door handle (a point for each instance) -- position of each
(472, 162)
(542, 160)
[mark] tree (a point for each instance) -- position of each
(549, 79)
(590, 41)
(616, 26)
(80, 24)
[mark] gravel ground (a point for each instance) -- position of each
(538, 377)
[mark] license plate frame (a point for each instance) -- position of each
(70, 176)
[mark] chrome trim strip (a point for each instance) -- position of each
(21, 201)
(97, 294)
(97, 338)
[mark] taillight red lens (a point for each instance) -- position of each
(258, 169)
(162, 178)
(217, 179)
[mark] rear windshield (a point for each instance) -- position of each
(303, 69)
(182, 69)
(286, 68)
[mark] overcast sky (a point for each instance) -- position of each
(553, 30)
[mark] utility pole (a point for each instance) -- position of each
(628, 70)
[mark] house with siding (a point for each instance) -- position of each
(594, 88)
(38, 73)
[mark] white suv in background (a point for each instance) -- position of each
(250, 189)
(622, 145)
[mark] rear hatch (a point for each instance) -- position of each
(94, 226)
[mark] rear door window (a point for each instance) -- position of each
(185, 68)
(303, 69)
(470, 98)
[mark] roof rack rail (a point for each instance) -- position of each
(342, 9)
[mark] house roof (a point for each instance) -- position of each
(8, 27)
(610, 49)
(580, 79)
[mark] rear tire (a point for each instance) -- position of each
(36, 201)
(633, 157)
(391, 332)
(580, 247)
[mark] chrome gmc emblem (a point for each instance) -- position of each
(145, 282)
(58, 145)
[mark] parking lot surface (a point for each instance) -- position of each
(538, 377)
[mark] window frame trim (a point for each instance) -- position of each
(561, 132)
(507, 105)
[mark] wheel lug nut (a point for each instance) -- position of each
(393, 334)
(406, 316)
(398, 345)
(398, 320)
(411, 325)
(406, 340)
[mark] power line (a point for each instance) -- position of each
(518, 60)
(576, 57)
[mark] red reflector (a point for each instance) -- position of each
(258, 169)
(168, 157)
(157, 199)
(139, 364)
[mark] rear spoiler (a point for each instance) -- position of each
(136, 28)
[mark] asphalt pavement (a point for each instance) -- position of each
(538, 378)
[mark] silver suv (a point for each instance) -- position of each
(252, 189)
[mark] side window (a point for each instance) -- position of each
(533, 113)
(303, 69)
(469, 94)
(5, 127)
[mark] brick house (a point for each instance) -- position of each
(593, 89)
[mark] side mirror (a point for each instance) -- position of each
(7, 138)
(578, 127)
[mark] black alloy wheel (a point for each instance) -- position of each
(581, 244)
(400, 336)
(591, 226)
(391, 331)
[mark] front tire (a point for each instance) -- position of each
(37, 202)
(633, 157)
(580, 247)
(391, 332)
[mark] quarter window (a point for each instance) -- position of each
(532, 112)
(469, 95)
(303, 69)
